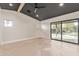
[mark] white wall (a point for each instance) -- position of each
(23, 26)
(46, 23)
(1, 27)
(27, 27)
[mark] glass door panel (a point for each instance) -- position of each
(56, 30)
(70, 31)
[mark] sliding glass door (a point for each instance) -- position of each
(56, 30)
(65, 31)
(70, 31)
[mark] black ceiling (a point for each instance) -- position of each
(49, 10)
(6, 6)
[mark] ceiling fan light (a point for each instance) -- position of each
(37, 15)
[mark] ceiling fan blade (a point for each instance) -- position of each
(41, 7)
(36, 6)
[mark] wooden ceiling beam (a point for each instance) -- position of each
(20, 7)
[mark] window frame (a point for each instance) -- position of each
(61, 30)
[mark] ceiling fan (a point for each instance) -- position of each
(36, 7)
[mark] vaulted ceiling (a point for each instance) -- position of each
(43, 11)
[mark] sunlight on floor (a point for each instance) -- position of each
(39, 47)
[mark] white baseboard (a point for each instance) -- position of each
(13, 41)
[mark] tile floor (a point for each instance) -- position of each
(39, 47)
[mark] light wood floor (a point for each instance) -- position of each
(39, 47)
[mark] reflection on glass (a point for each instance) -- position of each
(56, 31)
(70, 31)
(8, 23)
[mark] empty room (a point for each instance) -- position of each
(39, 29)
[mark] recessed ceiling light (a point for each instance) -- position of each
(61, 4)
(37, 15)
(10, 4)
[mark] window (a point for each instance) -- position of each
(70, 31)
(65, 31)
(56, 30)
